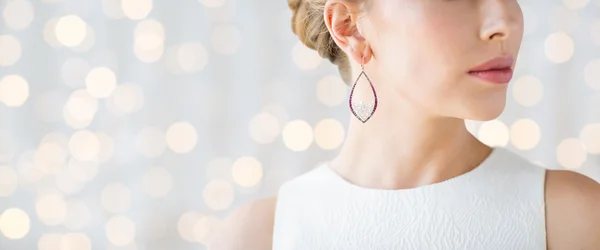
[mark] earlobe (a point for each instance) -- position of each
(367, 54)
(358, 55)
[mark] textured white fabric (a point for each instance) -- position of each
(498, 205)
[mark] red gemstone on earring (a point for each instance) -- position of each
(363, 111)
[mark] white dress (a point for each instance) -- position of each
(498, 205)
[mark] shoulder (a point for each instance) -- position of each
(572, 205)
(249, 227)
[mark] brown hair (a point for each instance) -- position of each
(308, 24)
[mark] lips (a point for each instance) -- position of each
(498, 70)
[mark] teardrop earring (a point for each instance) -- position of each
(363, 111)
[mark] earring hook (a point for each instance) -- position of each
(362, 63)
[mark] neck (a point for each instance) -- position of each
(400, 147)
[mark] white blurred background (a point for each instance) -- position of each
(139, 124)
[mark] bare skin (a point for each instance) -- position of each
(425, 94)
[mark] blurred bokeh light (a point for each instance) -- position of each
(140, 124)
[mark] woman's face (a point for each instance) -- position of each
(426, 49)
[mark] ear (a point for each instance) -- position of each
(341, 19)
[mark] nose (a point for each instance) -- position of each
(496, 34)
(497, 20)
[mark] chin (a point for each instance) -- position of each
(486, 112)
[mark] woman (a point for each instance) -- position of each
(410, 175)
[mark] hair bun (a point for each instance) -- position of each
(300, 14)
(309, 26)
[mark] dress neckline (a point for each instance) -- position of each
(489, 161)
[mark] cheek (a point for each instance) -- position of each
(517, 38)
(414, 34)
(419, 49)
